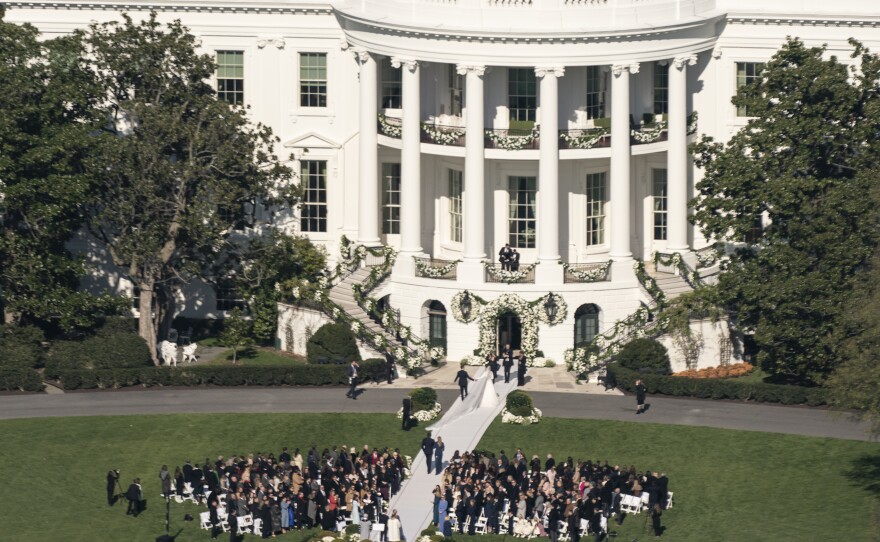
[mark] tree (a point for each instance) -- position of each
(805, 165)
(236, 333)
(47, 116)
(172, 160)
(856, 383)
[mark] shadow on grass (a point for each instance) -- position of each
(865, 473)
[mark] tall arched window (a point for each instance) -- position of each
(586, 324)
(437, 324)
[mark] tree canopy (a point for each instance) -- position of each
(805, 170)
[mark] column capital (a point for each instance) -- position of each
(361, 54)
(618, 69)
(407, 63)
(464, 69)
(551, 71)
(685, 60)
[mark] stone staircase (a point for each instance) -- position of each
(672, 285)
(342, 295)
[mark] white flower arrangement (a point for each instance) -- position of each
(534, 417)
(706, 258)
(295, 292)
(424, 538)
(328, 539)
(651, 134)
(426, 269)
(355, 327)
(588, 275)
(528, 320)
(423, 415)
(579, 362)
(354, 537)
(561, 310)
(692, 123)
(443, 136)
(513, 143)
(473, 361)
(541, 362)
(586, 139)
(507, 275)
(391, 130)
(437, 352)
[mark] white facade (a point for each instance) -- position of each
(471, 66)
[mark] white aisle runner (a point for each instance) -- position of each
(461, 427)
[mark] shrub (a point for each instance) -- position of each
(716, 388)
(21, 347)
(644, 353)
(204, 375)
(519, 403)
(20, 378)
(103, 351)
(423, 399)
(332, 341)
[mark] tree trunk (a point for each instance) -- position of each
(146, 324)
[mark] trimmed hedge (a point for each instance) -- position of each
(423, 399)
(295, 375)
(644, 352)
(24, 379)
(20, 347)
(332, 341)
(519, 403)
(107, 350)
(718, 388)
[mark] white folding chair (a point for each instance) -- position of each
(245, 524)
(258, 526)
(629, 504)
(224, 519)
(480, 527)
(205, 520)
(563, 531)
(668, 500)
(643, 505)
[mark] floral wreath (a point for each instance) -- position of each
(561, 311)
(475, 307)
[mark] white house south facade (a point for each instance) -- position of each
(448, 129)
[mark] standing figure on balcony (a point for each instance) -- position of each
(504, 256)
(514, 261)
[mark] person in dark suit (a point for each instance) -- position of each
(214, 519)
(134, 496)
(507, 362)
(112, 478)
(521, 371)
(504, 256)
(232, 520)
(553, 522)
(462, 378)
(407, 412)
(641, 392)
(352, 379)
(655, 520)
(514, 260)
(492, 363)
(428, 449)
(389, 365)
(616, 498)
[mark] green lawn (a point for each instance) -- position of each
(728, 485)
(257, 356)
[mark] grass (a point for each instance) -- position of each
(55, 487)
(258, 357)
(728, 485)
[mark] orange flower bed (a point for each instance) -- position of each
(725, 371)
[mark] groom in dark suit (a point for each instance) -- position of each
(462, 378)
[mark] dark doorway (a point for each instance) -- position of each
(509, 331)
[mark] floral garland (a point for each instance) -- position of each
(391, 130)
(706, 258)
(541, 362)
(476, 302)
(423, 415)
(528, 320)
(586, 139)
(649, 283)
(649, 135)
(507, 275)
(426, 269)
(512, 143)
(443, 136)
(692, 123)
(589, 275)
(561, 309)
(534, 417)
(668, 260)
(474, 361)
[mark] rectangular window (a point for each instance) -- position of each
(455, 214)
(456, 90)
(391, 85)
(313, 79)
(390, 198)
(522, 99)
(661, 88)
(747, 73)
(230, 76)
(228, 297)
(313, 175)
(659, 193)
(521, 211)
(595, 93)
(596, 209)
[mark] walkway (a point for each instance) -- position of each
(461, 428)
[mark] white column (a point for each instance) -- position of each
(410, 164)
(474, 176)
(677, 155)
(548, 177)
(621, 194)
(368, 174)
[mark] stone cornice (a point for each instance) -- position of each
(215, 6)
(852, 21)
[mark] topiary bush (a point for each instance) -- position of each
(645, 354)
(423, 399)
(21, 347)
(332, 341)
(519, 403)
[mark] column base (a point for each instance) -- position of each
(471, 271)
(370, 242)
(548, 272)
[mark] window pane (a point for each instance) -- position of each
(521, 92)
(595, 209)
(313, 217)
(659, 210)
(455, 209)
(390, 198)
(230, 76)
(313, 79)
(661, 88)
(747, 73)
(522, 211)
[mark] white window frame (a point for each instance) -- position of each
(244, 64)
(604, 210)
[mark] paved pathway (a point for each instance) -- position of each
(695, 412)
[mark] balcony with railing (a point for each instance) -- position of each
(586, 272)
(522, 274)
(435, 268)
